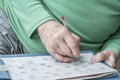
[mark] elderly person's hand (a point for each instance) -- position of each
(108, 56)
(59, 41)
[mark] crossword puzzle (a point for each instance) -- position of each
(47, 68)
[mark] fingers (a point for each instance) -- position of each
(77, 39)
(73, 41)
(62, 51)
(65, 49)
(69, 44)
(107, 56)
(59, 55)
(63, 58)
(59, 41)
(59, 51)
(98, 57)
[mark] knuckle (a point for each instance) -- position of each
(77, 38)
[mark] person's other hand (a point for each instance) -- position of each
(108, 56)
(59, 41)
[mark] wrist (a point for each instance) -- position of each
(44, 25)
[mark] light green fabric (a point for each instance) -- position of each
(96, 22)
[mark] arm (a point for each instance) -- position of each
(113, 43)
(110, 50)
(30, 17)
(59, 41)
(29, 14)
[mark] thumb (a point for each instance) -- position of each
(98, 57)
(107, 56)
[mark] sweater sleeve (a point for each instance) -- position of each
(26, 15)
(113, 43)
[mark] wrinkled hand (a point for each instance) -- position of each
(108, 56)
(59, 41)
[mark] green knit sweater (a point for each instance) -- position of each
(96, 22)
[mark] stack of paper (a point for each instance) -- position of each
(47, 68)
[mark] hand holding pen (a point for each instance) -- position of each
(76, 58)
(59, 41)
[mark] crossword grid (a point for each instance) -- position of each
(47, 68)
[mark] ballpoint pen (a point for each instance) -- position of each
(63, 21)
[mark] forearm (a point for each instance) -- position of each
(113, 43)
(26, 14)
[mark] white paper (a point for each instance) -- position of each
(47, 68)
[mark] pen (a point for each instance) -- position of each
(63, 21)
